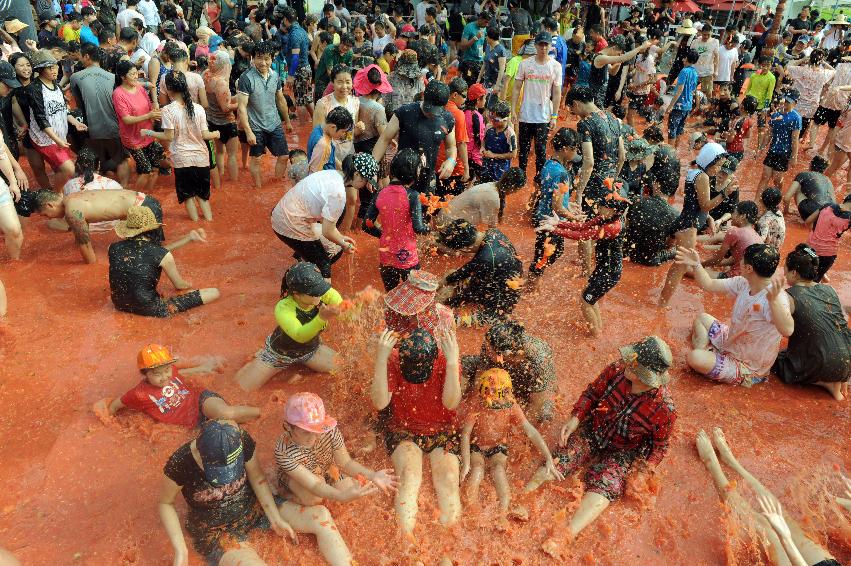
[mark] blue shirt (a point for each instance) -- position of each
(315, 136)
(88, 36)
(584, 74)
(297, 40)
(688, 80)
(552, 175)
(476, 51)
(558, 50)
(491, 65)
(782, 125)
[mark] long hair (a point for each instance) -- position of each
(175, 81)
(87, 164)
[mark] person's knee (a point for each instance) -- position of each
(209, 295)
(698, 360)
(321, 514)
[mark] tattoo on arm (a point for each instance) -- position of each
(78, 225)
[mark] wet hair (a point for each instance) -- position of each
(297, 153)
(373, 76)
(405, 166)
(347, 39)
(501, 109)
(105, 35)
(338, 69)
(87, 11)
(750, 104)
(137, 24)
(817, 56)
(289, 14)
(512, 180)
(327, 8)
(581, 94)
(175, 81)
(43, 197)
(763, 258)
(458, 234)
(417, 353)
(505, 336)
(692, 56)
(654, 135)
(127, 35)
(749, 210)
(619, 111)
(565, 137)
(263, 48)
(348, 168)
(819, 164)
(87, 164)
(175, 52)
(768, 60)
(494, 33)
(457, 85)
(325, 37)
(804, 261)
(771, 198)
(340, 117)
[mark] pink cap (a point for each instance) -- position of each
(362, 85)
(307, 411)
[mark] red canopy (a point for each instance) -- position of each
(683, 6)
(728, 5)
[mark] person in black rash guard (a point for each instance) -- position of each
(665, 168)
(604, 227)
(490, 280)
(603, 156)
(136, 263)
(423, 126)
(647, 237)
(811, 190)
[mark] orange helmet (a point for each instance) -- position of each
(153, 356)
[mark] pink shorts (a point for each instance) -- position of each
(54, 154)
(727, 369)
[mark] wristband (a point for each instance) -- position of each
(452, 159)
(554, 116)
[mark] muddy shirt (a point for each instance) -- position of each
(533, 374)
(422, 133)
(134, 272)
(603, 131)
(488, 273)
(649, 223)
(816, 187)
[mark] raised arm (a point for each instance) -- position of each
(389, 133)
(452, 385)
(586, 171)
(690, 258)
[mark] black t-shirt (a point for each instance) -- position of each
(574, 52)
(798, 23)
(134, 272)
(493, 265)
(816, 187)
(422, 133)
(213, 510)
(666, 169)
(604, 132)
(649, 223)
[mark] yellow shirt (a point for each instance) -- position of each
(384, 65)
(70, 34)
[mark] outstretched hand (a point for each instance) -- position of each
(448, 342)
(198, 235)
(774, 515)
(548, 223)
(688, 257)
(386, 342)
(385, 480)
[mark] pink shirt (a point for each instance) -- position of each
(739, 239)
(824, 238)
(398, 244)
(188, 148)
(474, 148)
(134, 103)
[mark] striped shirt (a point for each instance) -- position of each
(289, 455)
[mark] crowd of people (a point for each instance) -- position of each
(423, 120)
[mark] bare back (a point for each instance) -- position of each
(100, 206)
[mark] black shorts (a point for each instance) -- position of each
(827, 116)
(637, 101)
(608, 267)
(450, 441)
(110, 153)
(228, 131)
(312, 251)
(776, 162)
(488, 452)
(273, 140)
(147, 158)
(206, 394)
(163, 308)
(211, 154)
(192, 182)
(392, 277)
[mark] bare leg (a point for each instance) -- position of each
(216, 178)
(408, 465)
(206, 211)
(191, 209)
(586, 256)
(3, 302)
(122, 172)
(244, 556)
(317, 520)
(142, 182)
(592, 318)
(700, 331)
(37, 163)
(686, 238)
(152, 180)
(220, 157)
(281, 166)
(209, 295)
(10, 225)
(244, 151)
(834, 388)
(445, 478)
(254, 375)
(233, 149)
(539, 478)
(541, 405)
(500, 481)
(474, 480)
(215, 408)
(254, 169)
(590, 507)
(323, 361)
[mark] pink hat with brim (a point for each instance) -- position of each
(307, 412)
(363, 86)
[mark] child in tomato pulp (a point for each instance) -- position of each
(399, 213)
(185, 128)
(164, 396)
(473, 108)
(485, 433)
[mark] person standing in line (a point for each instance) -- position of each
(540, 79)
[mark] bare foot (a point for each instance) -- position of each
(501, 524)
(836, 388)
(723, 448)
(519, 513)
(704, 446)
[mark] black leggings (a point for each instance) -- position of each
(608, 266)
(805, 123)
(391, 277)
(540, 239)
(539, 133)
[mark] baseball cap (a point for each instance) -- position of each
(304, 277)
(307, 412)
(696, 137)
(8, 76)
(220, 447)
(543, 37)
(476, 91)
(791, 95)
(803, 38)
(169, 26)
(435, 97)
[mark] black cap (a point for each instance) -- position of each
(543, 37)
(220, 447)
(791, 95)
(435, 97)
(304, 277)
(8, 76)
(417, 353)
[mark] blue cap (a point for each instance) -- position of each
(214, 42)
(220, 447)
(803, 38)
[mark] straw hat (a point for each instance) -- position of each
(687, 28)
(140, 219)
(14, 26)
(841, 20)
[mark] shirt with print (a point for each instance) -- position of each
(772, 227)
(831, 223)
(476, 50)
(554, 178)
(738, 239)
(688, 80)
(783, 125)
(705, 66)
(319, 196)
(490, 70)
(173, 403)
(289, 455)
(423, 133)
(499, 143)
(538, 81)
(188, 148)
(47, 108)
(262, 104)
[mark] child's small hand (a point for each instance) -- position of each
(553, 471)
(386, 342)
(385, 480)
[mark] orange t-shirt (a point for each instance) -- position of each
(461, 136)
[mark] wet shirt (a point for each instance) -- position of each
(622, 420)
(423, 133)
(188, 148)
(47, 109)
(538, 81)
(490, 70)
(476, 50)
(319, 196)
(262, 106)
(603, 131)
(92, 88)
(289, 455)
(783, 125)
(738, 239)
(817, 187)
(535, 371)
(499, 143)
(649, 223)
(297, 333)
(488, 272)
(830, 224)
(134, 272)
(173, 403)
(135, 103)
(554, 178)
(772, 227)
(688, 80)
(417, 408)
(666, 168)
(399, 212)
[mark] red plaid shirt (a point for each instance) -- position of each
(624, 420)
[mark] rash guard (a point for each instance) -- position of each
(298, 330)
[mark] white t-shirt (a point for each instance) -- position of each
(124, 17)
(753, 339)
(149, 42)
(379, 43)
(809, 81)
(141, 55)
(538, 81)
(188, 148)
(149, 12)
(726, 59)
(319, 196)
(704, 66)
(832, 38)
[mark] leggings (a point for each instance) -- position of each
(391, 277)
(608, 266)
(805, 124)
(540, 239)
(539, 133)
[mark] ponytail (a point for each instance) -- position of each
(175, 81)
(87, 164)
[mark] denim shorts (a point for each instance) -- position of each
(677, 122)
(273, 140)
